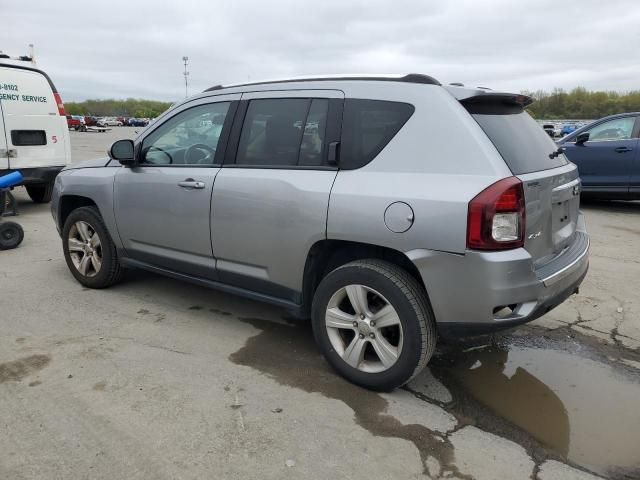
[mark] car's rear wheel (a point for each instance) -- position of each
(373, 323)
(40, 192)
(88, 249)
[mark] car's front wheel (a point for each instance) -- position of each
(373, 323)
(88, 249)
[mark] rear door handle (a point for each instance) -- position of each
(191, 183)
(622, 149)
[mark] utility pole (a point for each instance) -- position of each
(186, 77)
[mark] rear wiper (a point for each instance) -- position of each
(558, 152)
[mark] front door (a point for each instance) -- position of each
(605, 160)
(270, 202)
(163, 204)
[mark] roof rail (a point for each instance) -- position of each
(408, 78)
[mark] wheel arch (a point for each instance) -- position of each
(69, 203)
(325, 256)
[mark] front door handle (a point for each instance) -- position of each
(622, 149)
(191, 183)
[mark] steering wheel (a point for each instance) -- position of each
(208, 158)
(160, 150)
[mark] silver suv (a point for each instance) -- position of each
(390, 209)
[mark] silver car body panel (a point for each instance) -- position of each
(252, 228)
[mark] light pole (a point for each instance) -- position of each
(186, 75)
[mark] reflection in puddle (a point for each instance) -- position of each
(581, 409)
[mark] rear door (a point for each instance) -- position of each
(551, 183)
(4, 153)
(270, 198)
(605, 160)
(163, 204)
(35, 131)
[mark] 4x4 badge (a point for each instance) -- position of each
(534, 235)
(576, 190)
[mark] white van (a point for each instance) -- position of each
(34, 137)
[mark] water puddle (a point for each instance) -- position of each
(557, 398)
(288, 354)
(580, 409)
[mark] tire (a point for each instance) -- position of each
(109, 271)
(383, 282)
(11, 235)
(40, 192)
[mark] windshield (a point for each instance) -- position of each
(524, 146)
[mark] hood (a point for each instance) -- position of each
(93, 163)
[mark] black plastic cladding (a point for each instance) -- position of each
(410, 78)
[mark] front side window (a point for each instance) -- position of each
(618, 129)
(283, 132)
(189, 138)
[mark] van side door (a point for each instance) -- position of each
(271, 197)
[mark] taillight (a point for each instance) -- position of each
(59, 103)
(496, 218)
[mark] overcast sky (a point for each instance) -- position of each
(134, 48)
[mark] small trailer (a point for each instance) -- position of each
(96, 129)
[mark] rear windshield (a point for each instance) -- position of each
(523, 144)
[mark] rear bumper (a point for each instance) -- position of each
(36, 175)
(483, 292)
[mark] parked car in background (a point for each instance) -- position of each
(91, 121)
(567, 128)
(76, 122)
(138, 122)
(34, 129)
(123, 120)
(549, 128)
(319, 206)
(607, 154)
(109, 122)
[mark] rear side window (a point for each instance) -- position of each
(367, 127)
(25, 138)
(522, 143)
(283, 132)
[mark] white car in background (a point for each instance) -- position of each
(34, 136)
(109, 122)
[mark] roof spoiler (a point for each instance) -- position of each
(496, 103)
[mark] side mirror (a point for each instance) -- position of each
(123, 151)
(582, 138)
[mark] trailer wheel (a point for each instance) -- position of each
(11, 235)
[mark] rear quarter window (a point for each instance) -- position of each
(367, 127)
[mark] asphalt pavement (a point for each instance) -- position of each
(154, 378)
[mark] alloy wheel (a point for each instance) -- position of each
(85, 249)
(364, 328)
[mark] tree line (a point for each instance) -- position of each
(131, 107)
(581, 103)
(578, 103)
